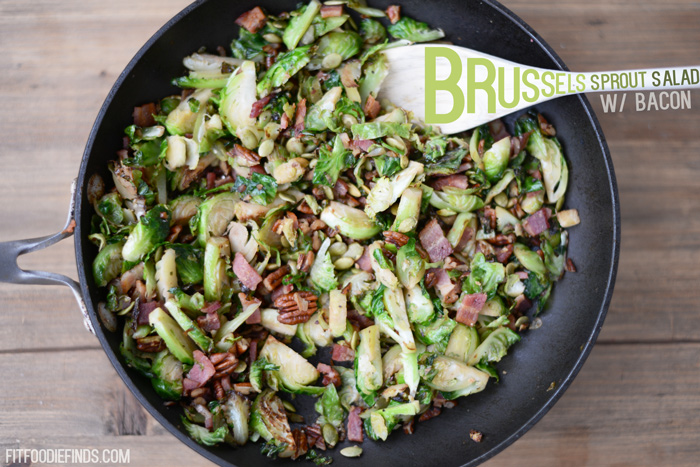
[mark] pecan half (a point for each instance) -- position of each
(150, 344)
(219, 390)
(300, 442)
(274, 279)
(224, 363)
(396, 238)
(305, 262)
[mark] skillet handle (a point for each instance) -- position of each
(11, 273)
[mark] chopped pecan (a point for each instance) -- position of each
(150, 344)
(305, 261)
(174, 232)
(501, 239)
(274, 279)
(317, 224)
(314, 437)
(430, 279)
(219, 390)
(304, 208)
(318, 193)
(243, 156)
(396, 238)
(430, 413)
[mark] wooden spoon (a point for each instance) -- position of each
(473, 72)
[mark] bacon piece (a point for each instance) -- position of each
(143, 116)
(372, 107)
(145, 309)
(489, 215)
(456, 180)
(212, 307)
(284, 121)
(258, 106)
(570, 265)
(253, 20)
(536, 223)
(394, 13)
(498, 130)
(364, 262)
(342, 353)
(464, 239)
(255, 318)
(355, 425)
(360, 320)
(441, 281)
(434, 241)
(245, 273)
(522, 304)
(329, 11)
(209, 322)
(470, 308)
(330, 375)
(300, 115)
(362, 144)
(252, 352)
(502, 254)
(202, 370)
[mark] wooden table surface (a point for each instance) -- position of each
(637, 399)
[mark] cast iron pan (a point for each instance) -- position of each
(554, 353)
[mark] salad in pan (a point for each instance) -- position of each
(277, 229)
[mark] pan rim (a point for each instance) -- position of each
(555, 394)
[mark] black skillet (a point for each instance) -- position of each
(554, 353)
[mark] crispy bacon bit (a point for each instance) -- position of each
(536, 223)
(202, 370)
(304, 262)
(355, 425)
(502, 239)
(143, 116)
(212, 307)
(301, 445)
(174, 233)
(274, 279)
(245, 273)
(330, 375)
(489, 216)
(259, 105)
(209, 322)
(299, 117)
(456, 180)
(329, 11)
(442, 282)
(396, 238)
(314, 437)
(253, 20)
(503, 254)
(394, 13)
(144, 309)
(464, 239)
(498, 130)
(430, 413)
(545, 127)
(522, 304)
(150, 344)
(570, 265)
(359, 320)
(434, 241)
(253, 351)
(372, 107)
(470, 308)
(362, 144)
(284, 121)
(342, 353)
(364, 263)
(476, 436)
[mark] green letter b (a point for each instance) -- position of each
(450, 84)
